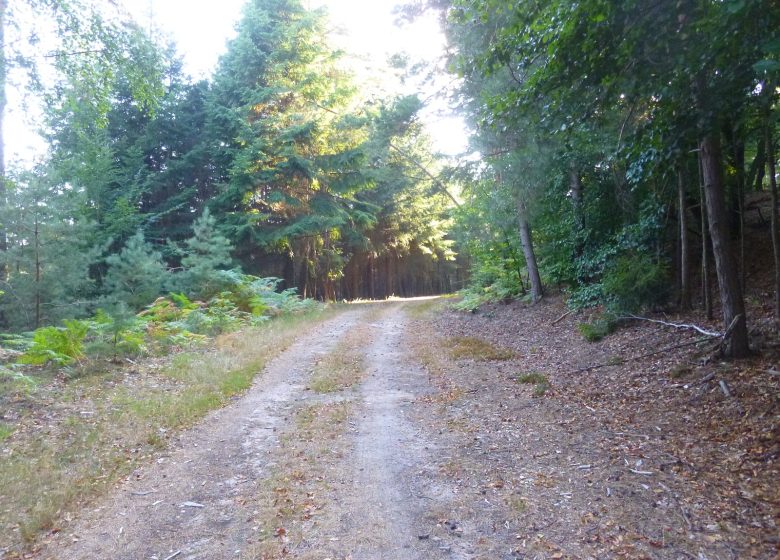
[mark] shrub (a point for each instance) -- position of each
(117, 333)
(598, 329)
(634, 282)
(58, 345)
(220, 315)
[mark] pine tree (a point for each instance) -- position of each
(47, 258)
(136, 275)
(207, 252)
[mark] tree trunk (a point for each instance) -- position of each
(772, 172)
(706, 292)
(36, 233)
(733, 306)
(3, 102)
(755, 175)
(575, 188)
(738, 149)
(685, 289)
(526, 241)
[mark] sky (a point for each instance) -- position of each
(364, 29)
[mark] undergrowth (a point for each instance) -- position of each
(104, 426)
(538, 380)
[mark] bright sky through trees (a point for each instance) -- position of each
(366, 31)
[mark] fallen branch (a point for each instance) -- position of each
(632, 358)
(727, 334)
(562, 317)
(725, 388)
(675, 325)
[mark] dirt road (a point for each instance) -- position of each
(376, 438)
(200, 499)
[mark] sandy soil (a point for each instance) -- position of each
(437, 458)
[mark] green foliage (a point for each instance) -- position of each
(206, 252)
(598, 329)
(220, 316)
(636, 281)
(58, 345)
(47, 257)
(136, 275)
(116, 333)
(13, 381)
(532, 378)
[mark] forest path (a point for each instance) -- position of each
(236, 485)
(394, 433)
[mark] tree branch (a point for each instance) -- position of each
(442, 187)
(675, 325)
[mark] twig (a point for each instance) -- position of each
(632, 358)
(144, 493)
(640, 472)
(436, 181)
(562, 317)
(727, 334)
(675, 325)
(174, 555)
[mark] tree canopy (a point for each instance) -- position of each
(608, 138)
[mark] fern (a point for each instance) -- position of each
(59, 345)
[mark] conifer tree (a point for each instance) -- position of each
(136, 275)
(207, 252)
(47, 257)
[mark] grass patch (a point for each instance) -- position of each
(421, 309)
(101, 427)
(540, 389)
(538, 380)
(532, 378)
(469, 347)
(5, 431)
(598, 329)
(343, 367)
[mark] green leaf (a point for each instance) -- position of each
(766, 66)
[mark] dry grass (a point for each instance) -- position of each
(469, 347)
(292, 500)
(74, 439)
(344, 366)
(425, 308)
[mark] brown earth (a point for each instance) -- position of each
(437, 451)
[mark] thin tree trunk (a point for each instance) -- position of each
(685, 295)
(706, 291)
(733, 306)
(772, 172)
(575, 188)
(526, 241)
(755, 175)
(36, 234)
(3, 102)
(738, 149)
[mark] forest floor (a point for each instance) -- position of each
(402, 430)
